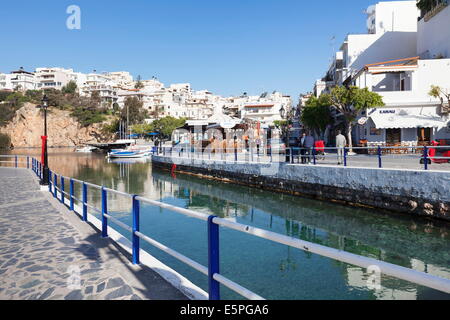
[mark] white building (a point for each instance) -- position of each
(434, 33)
(55, 78)
(391, 34)
(5, 81)
(410, 116)
(23, 80)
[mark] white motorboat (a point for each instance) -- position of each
(133, 152)
(86, 149)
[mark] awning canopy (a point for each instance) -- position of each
(405, 118)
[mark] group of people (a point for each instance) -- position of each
(306, 143)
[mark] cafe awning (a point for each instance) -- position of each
(405, 118)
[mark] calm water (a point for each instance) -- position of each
(271, 270)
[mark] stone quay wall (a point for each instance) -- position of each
(419, 193)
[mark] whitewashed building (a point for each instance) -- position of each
(5, 81)
(22, 80)
(57, 78)
(410, 116)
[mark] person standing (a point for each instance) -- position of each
(302, 146)
(309, 145)
(341, 143)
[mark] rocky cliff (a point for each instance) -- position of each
(27, 127)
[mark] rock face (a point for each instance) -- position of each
(27, 127)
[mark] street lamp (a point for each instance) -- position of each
(44, 157)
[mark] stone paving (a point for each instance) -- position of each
(47, 252)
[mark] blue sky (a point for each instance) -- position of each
(227, 47)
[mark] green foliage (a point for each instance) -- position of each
(165, 126)
(317, 113)
(4, 95)
(281, 123)
(133, 111)
(70, 88)
(5, 141)
(351, 101)
(427, 5)
(139, 84)
(87, 117)
(35, 96)
(13, 102)
(112, 127)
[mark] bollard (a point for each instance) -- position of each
(104, 211)
(213, 259)
(71, 195)
(62, 189)
(135, 238)
(85, 200)
(380, 164)
(345, 156)
(425, 157)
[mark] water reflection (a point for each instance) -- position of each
(414, 243)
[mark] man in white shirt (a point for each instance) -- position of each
(341, 143)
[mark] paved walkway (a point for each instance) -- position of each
(46, 252)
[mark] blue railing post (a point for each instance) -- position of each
(104, 211)
(425, 157)
(28, 162)
(345, 156)
(71, 195)
(40, 170)
(62, 189)
(85, 200)
(135, 238)
(380, 164)
(49, 181)
(55, 185)
(16, 161)
(213, 259)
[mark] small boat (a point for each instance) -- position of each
(86, 149)
(129, 153)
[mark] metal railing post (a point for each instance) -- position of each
(16, 161)
(49, 181)
(425, 157)
(345, 156)
(104, 211)
(55, 185)
(28, 162)
(62, 189)
(136, 228)
(213, 259)
(40, 170)
(380, 164)
(71, 195)
(85, 200)
(235, 155)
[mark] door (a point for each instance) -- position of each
(393, 136)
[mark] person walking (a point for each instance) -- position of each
(341, 143)
(309, 145)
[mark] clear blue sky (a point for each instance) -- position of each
(226, 46)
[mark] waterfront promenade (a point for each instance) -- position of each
(47, 252)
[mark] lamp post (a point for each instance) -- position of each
(44, 157)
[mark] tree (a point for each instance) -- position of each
(133, 111)
(166, 126)
(70, 88)
(438, 92)
(316, 115)
(350, 102)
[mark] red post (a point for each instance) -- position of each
(44, 145)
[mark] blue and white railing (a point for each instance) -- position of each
(376, 156)
(212, 271)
